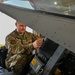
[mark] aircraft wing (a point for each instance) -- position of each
(58, 27)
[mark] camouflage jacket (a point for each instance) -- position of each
(19, 44)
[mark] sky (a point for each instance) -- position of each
(7, 24)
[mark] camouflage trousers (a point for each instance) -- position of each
(17, 69)
(19, 65)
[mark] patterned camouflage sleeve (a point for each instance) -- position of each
(29, 47)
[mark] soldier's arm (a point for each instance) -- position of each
(29, 46)
(33, 45)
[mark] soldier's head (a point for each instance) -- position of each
(21, 28)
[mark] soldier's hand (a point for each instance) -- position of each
(37, 44)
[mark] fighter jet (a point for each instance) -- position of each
(54, 19)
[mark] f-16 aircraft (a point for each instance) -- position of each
(55, 20)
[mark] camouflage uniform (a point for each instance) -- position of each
(19, 50)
